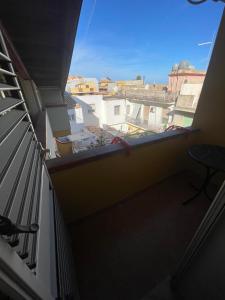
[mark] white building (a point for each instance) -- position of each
(114, 111)
(150, 115)
(192, 89)
(89, 115)
(99, 111)
(186, 104)
(114, 115)
(94, 110)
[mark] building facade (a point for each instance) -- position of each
(107, 86)
(183, 73)
(108, 116)
(129, 84)
(81, 85)
(186, 104)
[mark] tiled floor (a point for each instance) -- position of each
(123, 252)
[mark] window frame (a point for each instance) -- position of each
(117, 110)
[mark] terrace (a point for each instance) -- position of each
(123, 209)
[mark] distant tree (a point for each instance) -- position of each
(138, 77)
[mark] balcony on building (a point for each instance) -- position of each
(122, 207)
(119, 205)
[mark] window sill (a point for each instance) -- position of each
(70, 161)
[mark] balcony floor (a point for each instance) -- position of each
(125, 251)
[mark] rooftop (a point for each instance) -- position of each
(165, 99)
(111, 98)
(185, 67)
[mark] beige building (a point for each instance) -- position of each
(156, 87)
(81, 85)
(129, 84)
(107, 86)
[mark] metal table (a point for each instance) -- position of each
(212, 157)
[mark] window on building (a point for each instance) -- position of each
(91, 108)
(117, 110)
(128, 109)
(91, 89)
(152, 109)
(87, 86)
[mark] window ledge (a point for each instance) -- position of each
(70, 161)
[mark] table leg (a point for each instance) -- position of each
(207, 183)
(203, 187)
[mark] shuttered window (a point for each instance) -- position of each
(20, 161)
(26, 194)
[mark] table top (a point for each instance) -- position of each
(212, 156)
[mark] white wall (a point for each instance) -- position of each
(72, 114)
(50, 140)
(76, 121)
(155, 118)
(192, 89)
(110, 118)
(128, 103)
(104, 110)
(132, 107)
(90, 118)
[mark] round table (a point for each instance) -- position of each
(212, 157)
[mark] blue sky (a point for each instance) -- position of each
(123, 38)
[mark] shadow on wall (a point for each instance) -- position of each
(88, 112)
